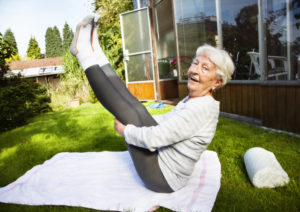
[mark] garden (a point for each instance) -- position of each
(61, 131)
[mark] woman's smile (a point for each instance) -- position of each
(194, 77)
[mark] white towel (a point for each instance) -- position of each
(108, 181)
(263, 168)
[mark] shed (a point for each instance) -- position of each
(45, 71)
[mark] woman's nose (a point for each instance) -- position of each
(192, 68)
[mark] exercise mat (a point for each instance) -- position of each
(108, 181)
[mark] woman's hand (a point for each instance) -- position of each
(119, 127)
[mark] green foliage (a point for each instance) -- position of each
(5, 53)
(58, 48)
(14, 57)
(73, 85)
(49, 42)
(53, 43)
(21, 99)
(74, 80)
(10, 38)
(67, 37)
(33, 51)
(72, 68)
(109, 31)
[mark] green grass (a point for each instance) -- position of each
(90, 128)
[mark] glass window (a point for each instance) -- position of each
(240, 35)
(282, 30)
(140, 68)
(240, 38)
(196, 25)
(294, 21)
(140, 3)
(137, 43)
(136, 32)
(276, 32)
(165, 39)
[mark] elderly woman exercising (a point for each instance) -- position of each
(164, 148)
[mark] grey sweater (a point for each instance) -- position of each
(180, 137)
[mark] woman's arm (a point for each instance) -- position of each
(183, 125)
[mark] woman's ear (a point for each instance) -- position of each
(218, 83)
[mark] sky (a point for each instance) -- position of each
(31, 18)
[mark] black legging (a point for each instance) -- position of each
(115, 97)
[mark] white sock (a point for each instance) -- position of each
(81, 46)
(98, 52)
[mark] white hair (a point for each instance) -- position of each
(222, 60)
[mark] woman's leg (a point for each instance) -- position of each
(129, 111)
(115, 97)
(110, 93)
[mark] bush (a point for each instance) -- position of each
(21, 99)
(73, 85)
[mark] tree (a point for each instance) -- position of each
(49, 42)
(53, 42)
(109, 30)
(21, 99)
(58, 49)
(67, 37)
(33, 51)
(10, 38)
(5, 52)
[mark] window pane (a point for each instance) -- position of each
(282, 39)
(240, 35)
(196, 25)
(140, 3)
(140, 68)
(276, 33)
(295, 38)
(165, 39)
(136, 32)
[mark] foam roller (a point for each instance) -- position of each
(263, 168)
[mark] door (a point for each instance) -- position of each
(137, 50)
(166, 49)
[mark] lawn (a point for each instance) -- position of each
(90, 128)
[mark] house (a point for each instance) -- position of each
(160, 38)
(45, 71)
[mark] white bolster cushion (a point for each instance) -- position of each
(263, 168)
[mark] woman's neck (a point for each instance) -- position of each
(192, 97)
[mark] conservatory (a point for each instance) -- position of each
(262, 36)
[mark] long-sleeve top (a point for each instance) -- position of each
(180, 137)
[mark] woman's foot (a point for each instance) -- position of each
(98, 52)
(81, 46)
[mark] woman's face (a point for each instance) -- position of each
(202, 77)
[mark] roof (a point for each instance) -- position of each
(25, 64)
(37, 72)
(35, 68)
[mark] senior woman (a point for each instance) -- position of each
(165, 148)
